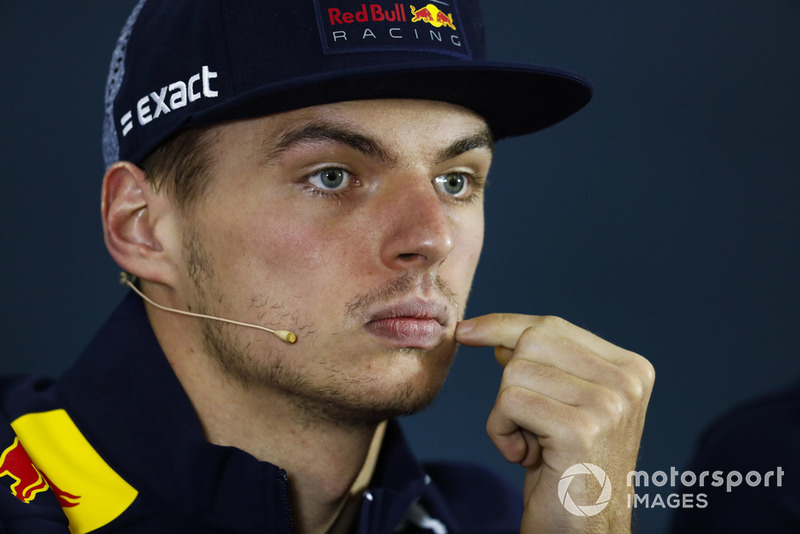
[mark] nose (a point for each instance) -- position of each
(419, 231)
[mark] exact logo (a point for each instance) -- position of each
(584, 469)
(169, 98)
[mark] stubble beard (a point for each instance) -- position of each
(343, 400)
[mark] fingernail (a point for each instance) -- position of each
(464, 327)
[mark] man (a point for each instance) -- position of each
(316, 169)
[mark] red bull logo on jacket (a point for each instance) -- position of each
(28, 480)
(50, 453)
(356, 26)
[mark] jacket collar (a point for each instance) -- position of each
(125, 398)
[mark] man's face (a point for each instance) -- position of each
(356, 225)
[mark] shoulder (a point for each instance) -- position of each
(26, 505)
(765, 429)
(21, 395)
(753, 448)
(479, 499)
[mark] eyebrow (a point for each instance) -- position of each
(481, 139)
(317, 132)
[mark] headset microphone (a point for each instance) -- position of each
(285, 335)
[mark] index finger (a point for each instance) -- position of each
(503, 330)
(494, 330)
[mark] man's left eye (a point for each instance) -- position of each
(330, 179)
(455, 184)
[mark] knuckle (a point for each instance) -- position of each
(553, 322)
(628, 382)
(516, 366)
(533, 336)
(542, 330)
(508, 397)
(505, 318)
(642, 367)
(515, 401)
(634, 381)
(647, 371)
(614, 407)
(642, 376)
(587, 432)
(520, 370)
(492, 431)
(493, 424)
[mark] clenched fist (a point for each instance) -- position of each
(566, 397)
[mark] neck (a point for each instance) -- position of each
(326, 461)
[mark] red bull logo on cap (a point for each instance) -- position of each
(28, 480)
(433, 16)
(348, 26)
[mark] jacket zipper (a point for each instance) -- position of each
(363, 521)
(286, 494)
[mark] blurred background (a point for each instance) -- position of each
(664, 217)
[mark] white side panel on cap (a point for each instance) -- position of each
(116, 73)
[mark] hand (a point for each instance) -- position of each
(566, 397)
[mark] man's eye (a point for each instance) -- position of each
(455, 184)
(330, 179)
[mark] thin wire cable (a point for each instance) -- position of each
(285, 335)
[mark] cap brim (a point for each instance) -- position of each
(513, 99)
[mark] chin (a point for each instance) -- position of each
(399, 400)
(407, 384)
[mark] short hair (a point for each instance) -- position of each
(181, 166)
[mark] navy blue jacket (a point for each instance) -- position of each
(115, 446)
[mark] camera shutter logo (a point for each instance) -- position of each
(584, 469)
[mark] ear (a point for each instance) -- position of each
(132, 213)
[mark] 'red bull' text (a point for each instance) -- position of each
(375, 13)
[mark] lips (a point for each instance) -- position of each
(410, 323)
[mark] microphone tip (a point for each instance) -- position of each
(286, 335)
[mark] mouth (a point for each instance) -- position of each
(412, 323)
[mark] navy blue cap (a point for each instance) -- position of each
(181, 63)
